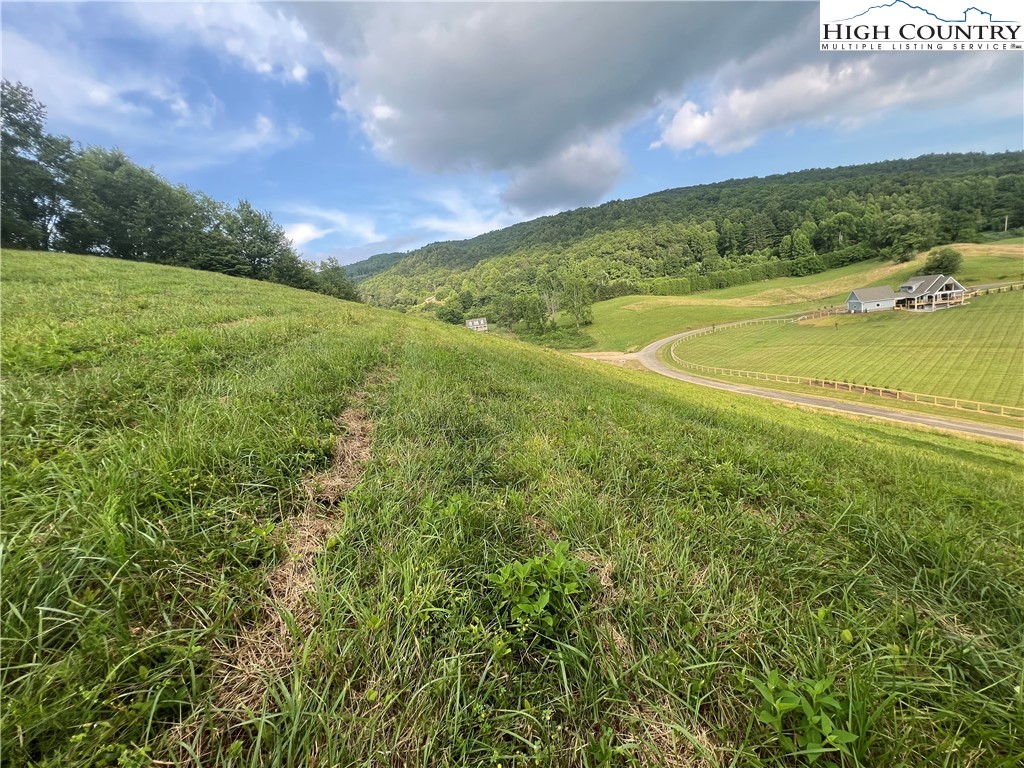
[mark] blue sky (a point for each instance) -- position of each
(376, 127)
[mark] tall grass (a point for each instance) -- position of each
(153, 456)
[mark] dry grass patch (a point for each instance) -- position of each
(270, 644)
(544, 528)
(268, 648)
(820, 290)
(236, 323)
(662, 743)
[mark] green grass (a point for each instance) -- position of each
(984, 415)
(999, 262)
(975, 352)
(630, 322)
(158, 425)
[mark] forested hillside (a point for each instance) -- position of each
(59, 196)
(695, 238)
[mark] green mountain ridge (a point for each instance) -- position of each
(888, 208)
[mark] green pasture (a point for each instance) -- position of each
(546, 562)
(627, 323)
(975, 352)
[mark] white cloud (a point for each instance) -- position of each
(74, 93)
(319, 222)
(266, 40)
(846, 92)
(135, 109)
(305, 232)
(461, 216)
(528, 89)
(534, 92)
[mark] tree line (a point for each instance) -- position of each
(711, 236)
(59, 196)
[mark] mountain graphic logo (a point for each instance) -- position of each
(904, 5)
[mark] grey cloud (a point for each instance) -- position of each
(580, 175)
(505, 86)
(521, 88)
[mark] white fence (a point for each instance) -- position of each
(956, 403)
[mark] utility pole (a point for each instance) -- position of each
(1006, 222)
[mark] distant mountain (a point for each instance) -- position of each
(627, 246)
(361, 270)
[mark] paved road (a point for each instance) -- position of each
(648, 357)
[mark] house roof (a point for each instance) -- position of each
(882, 293)
(923, 285)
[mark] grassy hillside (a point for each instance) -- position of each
(629, 322)
(250, 526)
(975, 352)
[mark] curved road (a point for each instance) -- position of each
(648, 357)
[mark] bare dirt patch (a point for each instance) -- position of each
(270, 644)
(624, 359)
(268, 648)
(236, 323)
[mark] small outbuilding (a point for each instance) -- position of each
(871, 299)
(477, 324)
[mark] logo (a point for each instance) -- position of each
(921, 25)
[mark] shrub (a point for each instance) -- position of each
(944, 261)
(450, 312)
(670, 286)
(808, 265)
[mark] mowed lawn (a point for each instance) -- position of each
(627, 323)
(975, 352)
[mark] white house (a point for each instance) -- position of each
(930, 292)
(918, 292)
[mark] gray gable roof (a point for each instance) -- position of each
(882, 293)
(922, 285)
(926, 284)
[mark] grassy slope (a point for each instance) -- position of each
(158, 423)
(975, 352)
(629, 322)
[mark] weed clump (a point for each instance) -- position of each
(544, 594)
(805, 716)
